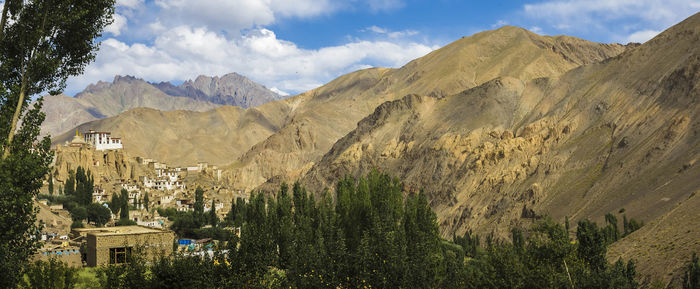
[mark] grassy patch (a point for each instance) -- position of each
(87, 278)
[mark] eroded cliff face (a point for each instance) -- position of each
(104, 165)
(322, 116)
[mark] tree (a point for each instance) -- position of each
(46, 42)
(199, 205)
(213, 219)
(98, 214)
(51, 184)
(124, 203)
(231, 216)
(592, 244)
(79, 213)
(21, 176)
(69, 189)
(691, 276)
(115, 203)
(84, 186)
(42, 42)
(146, 200)
(52, 274)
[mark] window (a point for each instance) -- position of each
(119, 255)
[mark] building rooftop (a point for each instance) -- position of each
(119, 230)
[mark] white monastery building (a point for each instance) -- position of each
(103, 140)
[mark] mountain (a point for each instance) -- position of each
(307, 125)
(64, 113)
(187, 137)
(322, 116)
(105, 99)
(231, 89)
(619, 136)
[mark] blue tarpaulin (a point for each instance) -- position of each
(184, 242)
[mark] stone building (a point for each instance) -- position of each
(102, 140)
(116, 245)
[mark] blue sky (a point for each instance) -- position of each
(294, 46)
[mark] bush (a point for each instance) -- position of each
(49, 274)
(125, 222)
(79, 213)
(77, 224)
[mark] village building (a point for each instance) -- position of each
(103, 140)
(77, 141)
(99, 195)
(162, 183)
(116, 245)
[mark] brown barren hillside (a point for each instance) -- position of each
(620, 134)
(306, 126)
(322, 116)
(186, 137)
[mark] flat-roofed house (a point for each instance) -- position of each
(116, 245)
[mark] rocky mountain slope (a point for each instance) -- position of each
(186, 137)
(105, 99)
(230, 89)
(322, 116)
(307, 125)
(619, 135)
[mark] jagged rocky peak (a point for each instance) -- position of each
(229, 89)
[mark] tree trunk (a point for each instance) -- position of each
(15, 117)
(3, 21)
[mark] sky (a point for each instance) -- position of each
(291, 46)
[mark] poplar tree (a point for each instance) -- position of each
(213, 219)
(146, 200)
(42, 43)
(50, 184)
(199, 206)
(124, 203)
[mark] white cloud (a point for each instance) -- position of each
(117, 25)
(537, 29)
(183, 52)
(612, 17)
(180, 39)
(233, 15)
(278, 91)
(389, 33)
(129, 3)
(499, 23)
(642, 36)
(156, 27)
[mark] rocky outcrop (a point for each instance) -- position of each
(104, 166)
(230, 89)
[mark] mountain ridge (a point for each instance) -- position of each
(105, 99)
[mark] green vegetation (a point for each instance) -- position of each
(78, 199)
(372, 236)
(42, 43)
(190, 224)
(50, 184)
(691, 277)
(52, 274)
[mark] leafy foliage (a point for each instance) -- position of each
(51, 274)
(372, 236)
(691, 276)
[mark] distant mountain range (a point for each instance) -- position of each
(105, 99)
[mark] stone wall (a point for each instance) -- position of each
(144, 245)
